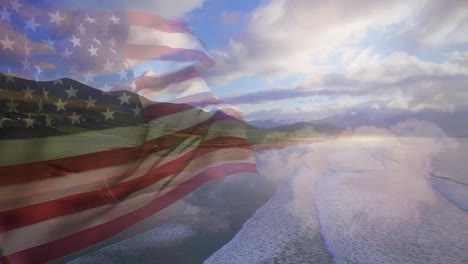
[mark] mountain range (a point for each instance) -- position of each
(453, 123)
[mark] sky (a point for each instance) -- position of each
(309, 59)
(281, 59)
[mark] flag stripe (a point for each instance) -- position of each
(199, 100)
(88, 237)
(157, 83)
(191, 121)
(69, 185)
(157, 22)
(53, 188)
(176, 90)
(54, 168)
(155, 52)
(37, 234)
(71, 204)
(148, 36)
(159, 68)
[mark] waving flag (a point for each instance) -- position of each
(102, 125)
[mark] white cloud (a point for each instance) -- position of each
(397, 66)
(298, 36)
(285, 37)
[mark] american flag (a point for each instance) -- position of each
(103, 123)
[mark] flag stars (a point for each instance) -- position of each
(55, 18)
(133, 86)
(75, 41)
(109, 114)
(28, 93)
(66, 54)
(75, 119)
(40, 105)
(60, 105)
(92, 51)
(123, 75)
(5, 15)
(106, 88)
(9, 77)
(89, 77)
(50, 43)
(58, 81)
(38, 69)
(12, 106)
(97, 41)
(124, 98)
(27, 49)
(108, 66)
(16, 5)
(48, 121)
(90, 102)
(114, 19)
(7, 43)
(137, 110)
(29, 122)
(31, 24)
(71, 92)
(90, 20)
(26, 64)
(82, 29)
(45, 93)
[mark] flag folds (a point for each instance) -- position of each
(103, 123)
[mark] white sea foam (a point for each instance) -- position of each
(285, 230)
(373, 196)
(384, 209)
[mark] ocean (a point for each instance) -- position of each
(362, 199)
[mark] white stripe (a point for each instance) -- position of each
(153, 37)
(176, 90)
(55, 188)
(158, 67)
(41, 233)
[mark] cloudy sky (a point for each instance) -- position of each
(312, 58)
(284, 58)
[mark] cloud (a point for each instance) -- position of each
(286, 93)
(404, 80)
(283, 38)
(298, 36)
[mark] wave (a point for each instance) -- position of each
(284, 230)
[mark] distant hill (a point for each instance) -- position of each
(322, 128)
(268, 123)
(454, 124)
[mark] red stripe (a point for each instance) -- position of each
(17, 174)
(36, 213)
(23, 173)
(156, 52)
(161, 82)
(81, 240)
(159, 110)
(157, 22)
